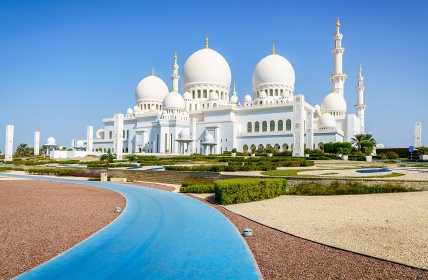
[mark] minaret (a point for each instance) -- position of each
(175, 77)
(360, 107)
(338, 77)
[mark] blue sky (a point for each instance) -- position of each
(65, 65)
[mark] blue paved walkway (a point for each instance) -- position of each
(160, 235)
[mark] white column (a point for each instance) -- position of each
(338, 77)
(9, 143)
(89, 139)
(309, 130)
(360, 107)
(36, 143)
(298, 129)
(192, 131)
(118, 135)
(418, 134)
(175, 76)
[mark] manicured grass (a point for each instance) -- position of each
(286, 172)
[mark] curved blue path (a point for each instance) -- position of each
(160, 235)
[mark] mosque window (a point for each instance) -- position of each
(264, 126)
(205, 93)
(261, 147)
(123, 134)
(253, 147)
(111, 134)
(245, 148)
(280, 125)
(288, 125)
(272, 125)
(276, 147)
(285, 147)
(281, 91)
(193, 94)
(249, 127)
(196, 106)
(271, 92)
(199, 93)
(190, 107)
(256, 127)
(276, 92)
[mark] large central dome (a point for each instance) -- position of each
(206, 66)
(273, 70)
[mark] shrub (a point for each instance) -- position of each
(53, 171)
(339, 188)
(243, 190)
(198, 189)
(389, 155)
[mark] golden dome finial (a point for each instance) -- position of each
(153, 71)
(234, 86)
(360, 69)
(175, 55)
(273, 48)
(337, 22)
(206, 42)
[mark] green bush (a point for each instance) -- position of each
(340, 188)
(389, 155)
(243, 190)
(198, 189)
(53, 171)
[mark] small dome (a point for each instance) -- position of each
(151, 88)
(206, 66)
(333, 102)
(79, 143)
(51, 141)
(275, 70)
(187, 96)
(209, 138)
(262, 94)
(326, 120)
(173, 100)
(317, 108)
(247, 98)
(136, 108)
(213, 95)
(184, 134)
(99, 134)
(129, 111)
(233, 99)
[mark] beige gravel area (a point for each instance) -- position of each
(390, 226)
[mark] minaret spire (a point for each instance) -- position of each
(338, 77)
(206, 42)
(174, 76)
(273, 48)
(360, 107)
(153, 71)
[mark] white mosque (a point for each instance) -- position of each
(208, 119)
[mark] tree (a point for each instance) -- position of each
(359, 138)
(108, 157)
(22, 150)
(131, 158)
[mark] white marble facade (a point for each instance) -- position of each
(209, 119)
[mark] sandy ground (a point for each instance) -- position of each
(391, 226)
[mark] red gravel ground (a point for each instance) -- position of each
(41, 219)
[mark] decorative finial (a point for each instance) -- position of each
(273, 48)
(234, 86)
(153, 71)
(360, 69)
(175, 55)
(337, 22)
(206, 43)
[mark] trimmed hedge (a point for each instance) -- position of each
(402, 152)
(243, 190)
(348, 188)
(209, 188)
(53, 171)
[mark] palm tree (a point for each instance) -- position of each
(22, 150)
(359, 138)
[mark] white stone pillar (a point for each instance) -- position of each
(309, 129)
(9, 143)
(192, 131)
(298, 127)
(118, 135)
(418, 134)
(36, 143)
(90, 139)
